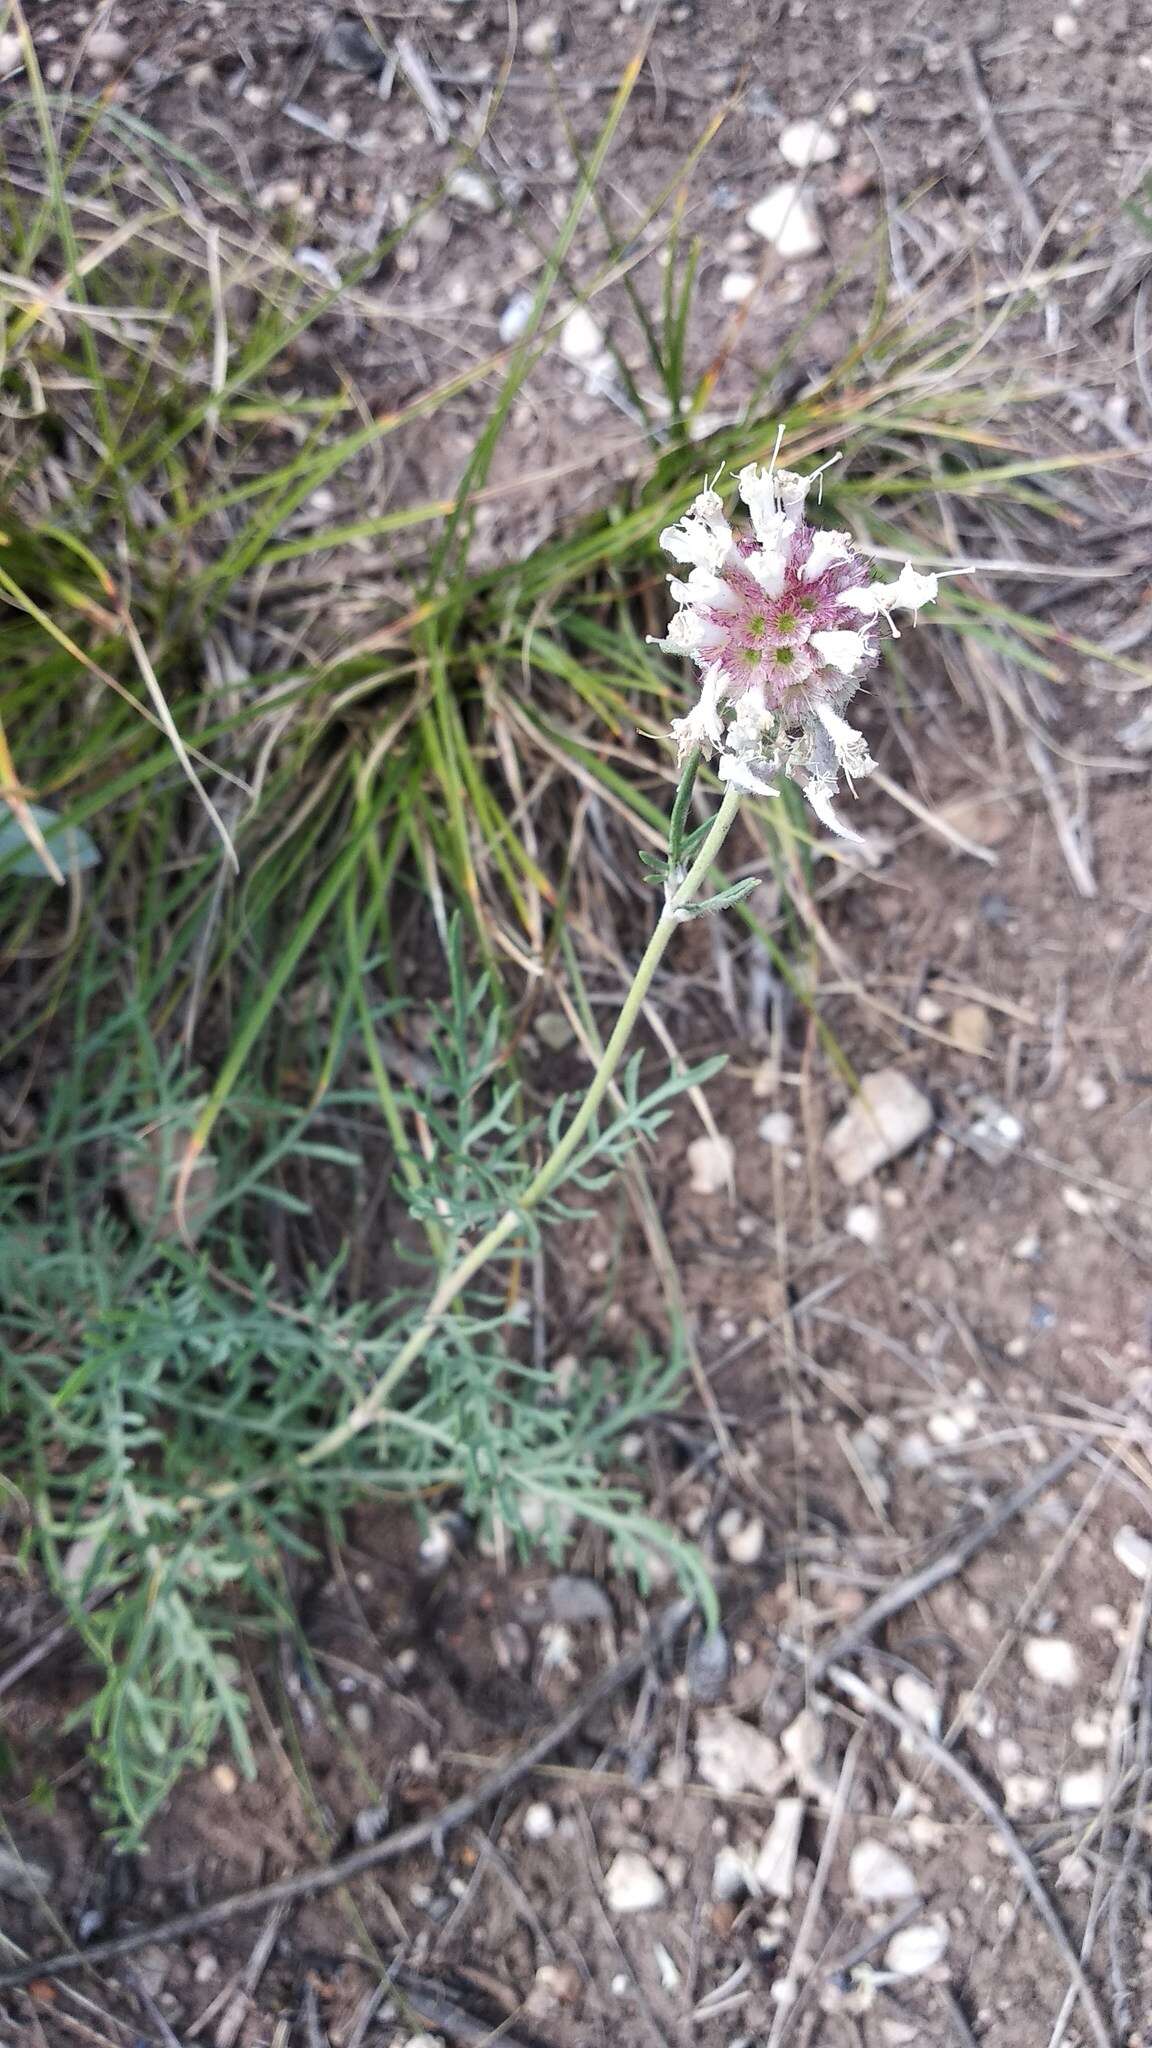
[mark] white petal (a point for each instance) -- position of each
(703, 537)
(704, 588)
(747, 775)
(702, 727)
(692, 634)
(769, 566)
(775, 500)
(849, 746)
(911, 589)
(827, 547)
(819, 791)
(844, 651)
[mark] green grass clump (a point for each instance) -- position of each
(274, 771)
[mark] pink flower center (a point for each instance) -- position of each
(766, 642)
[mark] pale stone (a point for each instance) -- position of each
(888, 1114)
(787, 220)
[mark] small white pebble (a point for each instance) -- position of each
(1079, 1201)
(736, 286)
(1105, 1616)
(1133, 1551)
(515, 317)
(915, 1949)
(1024, 1792)
(710, 1164)
(632, 1884)
(804, 143)
(580, 338)
(1066, 29)
(745, 1543)
(539, 1822)
(225, 1779)
(918, 1699)
(776, 1862)
(1090, 1734)
(436, 1548)
(106, 46)
(947, 1428)
(1026, 1248)
(1084, 1791)
(864, 1223)
(877, 1875)
(1092, 1093)
(1052, 1660)
(784, 218)
(777, 1128)
(11, 53)
(864, 102)
(360, 1717)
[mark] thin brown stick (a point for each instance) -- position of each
(870, 1701)
(896, 1598)
(305, 1884)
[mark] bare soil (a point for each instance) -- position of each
(875, 1398)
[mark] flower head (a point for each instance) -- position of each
(784, 624)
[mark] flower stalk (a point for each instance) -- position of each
(683, 888)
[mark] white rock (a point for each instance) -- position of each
(994, 1134)
(733, 1874)
(804, 143)
(916, 1949)
(710, 1163)
(472, 189)
(918, 1699)
(631, 1885)
(542, 38)
(580, 338)
(1074, 1874)
(106, 46)
(539, 1822)
(776, 1863)
(1024, 1792)
(785, 218)
(777, 1128)
(743, 1539)
(864, 1223)
(11, 53)
(946, 1429)
(804, 1741)
(1066, 29)
(515, 317)
(1052, 1660)
(733, 1756)
(877, 1875)
(1084, 1791)
(1090, 1734)
(887, 1116)
(736, 286)
(864, 102)
(1092, 1093)
(437, 1547)
(1133, 1551)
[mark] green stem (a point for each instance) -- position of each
(453, 1283)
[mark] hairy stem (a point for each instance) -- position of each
(452, 1283)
